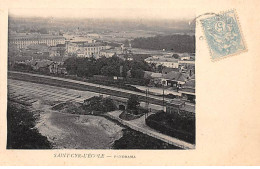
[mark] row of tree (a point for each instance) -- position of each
(176, 43)
(114, 66)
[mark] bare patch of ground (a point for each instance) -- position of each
(71, 131)
(63, 128)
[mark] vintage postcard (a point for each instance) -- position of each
(88, 84)
(129, 83)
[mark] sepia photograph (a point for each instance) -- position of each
(129, 83)
(101, 79)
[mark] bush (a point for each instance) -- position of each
(125, 115)
(142, 110)
(133, 102)
(108, 105)
(173, 125)
(99, 104)
(135, 140)
(22, 66)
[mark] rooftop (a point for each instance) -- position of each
(34, 36)
(189, 108)
(187, 90)
(190, 84)
(86, 44)
(156, 75)
(177, 102)
(82, 39)
(161, 59)
(193, 77)
(40, 63)
(111, 51)
(39, 47)
(167, 70)
(178, 76)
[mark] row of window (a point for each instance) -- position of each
(38, 39)
(71, 49)
(166, 63)
(37, 42)
(90, 53)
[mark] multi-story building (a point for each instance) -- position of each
(85, 49)
(58, 50)
(22, 41)
(164, 61)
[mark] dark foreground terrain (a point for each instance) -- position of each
(73, 131)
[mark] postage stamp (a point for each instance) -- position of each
(223, 35)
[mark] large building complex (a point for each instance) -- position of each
(22, 41)
(85, 48)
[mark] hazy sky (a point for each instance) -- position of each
(175, 14)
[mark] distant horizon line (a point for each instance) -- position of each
(116, 14)
(98, 18)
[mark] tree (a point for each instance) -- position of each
(110, 70)
(21, 131)
(126, 43)
(43, 31)
(176, 56)
(12, 50)
(137, 73)
(109, 104)
(106, 66)
(176, 43)
(99, 104)
(22, 66)
(160, 68)
(133, 102)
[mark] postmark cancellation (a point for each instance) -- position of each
(223, 35)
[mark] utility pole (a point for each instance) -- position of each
(146, 102)
(99, 90)
(163, 97)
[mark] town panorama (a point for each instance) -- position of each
(93, 83)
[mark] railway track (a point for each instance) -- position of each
(85, 86)
(21, 91)
(79, 86)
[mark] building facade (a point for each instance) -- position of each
(26, 40)
(58, 50)
(85, 49)
(164, 61)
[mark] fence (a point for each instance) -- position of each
(182, 144)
